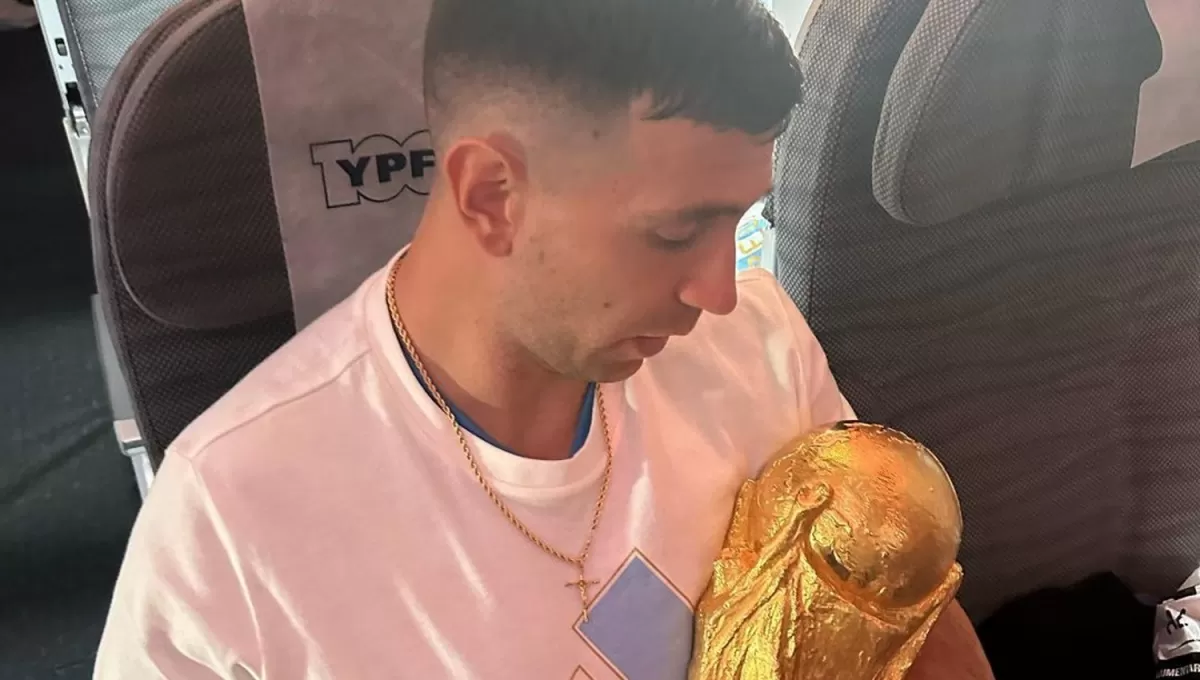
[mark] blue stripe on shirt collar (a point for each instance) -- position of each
(582, 428)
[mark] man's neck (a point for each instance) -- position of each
(520, 404)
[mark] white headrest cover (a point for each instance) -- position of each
(351, 157)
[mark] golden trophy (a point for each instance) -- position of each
(839, 559)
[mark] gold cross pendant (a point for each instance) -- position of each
(583, 585)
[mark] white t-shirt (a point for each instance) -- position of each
(321, 522)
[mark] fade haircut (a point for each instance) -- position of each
(723, 63)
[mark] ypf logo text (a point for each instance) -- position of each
(377, 168)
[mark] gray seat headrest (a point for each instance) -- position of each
(186, 184)
(995, 98)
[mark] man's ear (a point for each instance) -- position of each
(487, 178)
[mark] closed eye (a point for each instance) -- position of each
(673, 244)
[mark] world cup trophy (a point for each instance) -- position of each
(839, 559)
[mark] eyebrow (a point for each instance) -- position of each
(700, 213)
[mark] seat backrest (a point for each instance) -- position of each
(196, 249)
(188, 256)
(959, 218)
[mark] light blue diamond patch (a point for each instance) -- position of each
(641, 625)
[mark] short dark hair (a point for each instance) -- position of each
(723, 63)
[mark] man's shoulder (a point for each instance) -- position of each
(285, 389)
(740, 381)
(762, 311)
(761, 300)
(738, 346)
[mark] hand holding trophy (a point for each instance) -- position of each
(839, 559)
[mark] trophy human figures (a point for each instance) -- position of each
(839, 558)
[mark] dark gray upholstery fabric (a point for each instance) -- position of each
(197, 236)
(188, 249)
(1045, 342)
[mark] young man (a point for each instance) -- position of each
(513, 452)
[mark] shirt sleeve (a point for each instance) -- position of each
(178, 611)
(817, 391)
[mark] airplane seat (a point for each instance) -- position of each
(194, 199)
(190, 267)
(989, 212)
(94, 35)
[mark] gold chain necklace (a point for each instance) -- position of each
(582, 584)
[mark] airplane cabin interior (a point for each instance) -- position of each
(987, 210)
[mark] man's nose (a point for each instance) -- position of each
(713, 286)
